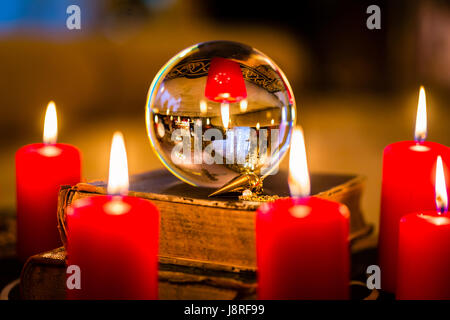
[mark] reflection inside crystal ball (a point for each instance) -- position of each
(218, 110)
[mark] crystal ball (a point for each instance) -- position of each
(218, 110)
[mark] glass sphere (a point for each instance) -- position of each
(218, 110)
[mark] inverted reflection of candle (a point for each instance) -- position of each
(225, 84)
(298, 238)
(41, 169)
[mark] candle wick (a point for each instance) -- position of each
(420, 139)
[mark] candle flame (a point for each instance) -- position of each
(243, 105)
(50, 124)
(421, 118)
(225, 111)
(118, 166)
(203, 106)
(441, 188)
(299, 183)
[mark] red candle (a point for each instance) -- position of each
(114, 239)
(302, 243)
(424, 250)
(407, 187)
(41, 169)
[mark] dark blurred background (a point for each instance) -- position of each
(356, 89)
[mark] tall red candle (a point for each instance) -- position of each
(424, 250)
(114, 240)
(302, 243)
(407, 186)
(41, 169)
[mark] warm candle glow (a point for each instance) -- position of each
(116, 206)
(118, 166)
(299, 183)
(203, 106)
(441, 188)
(243, 105)
(50, 124)
(421, 118)
(225, 111)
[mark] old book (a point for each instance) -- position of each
(207, 246)
(44, 277)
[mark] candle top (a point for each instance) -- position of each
(427, 218)
(439, 217)
(309, 208)
(426, 147)
(49, 151)
(110, 207)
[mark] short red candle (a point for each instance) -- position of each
(424, 248)
(424, 257)
(303, 249)
(225, 82)
(302, 243)
(114, 241)
(40, 171)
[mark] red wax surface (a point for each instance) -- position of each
(424, 257)
(225, 82)
(408, 186)
(114, 241)
(40, 171)
(303, 249)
